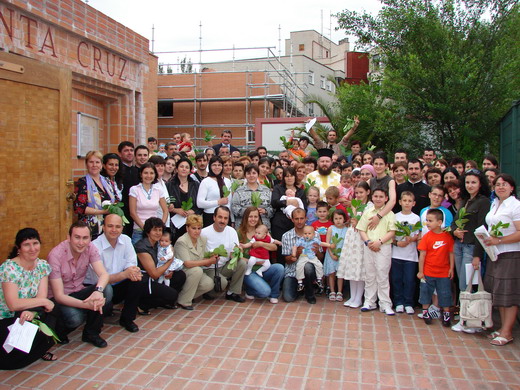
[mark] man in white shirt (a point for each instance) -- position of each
(221, 234)
(118, 256)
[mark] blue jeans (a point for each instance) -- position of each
(136, 235)
(266, 286)
(463, 255)
(403, 276)
(290, 284)
(443, 287)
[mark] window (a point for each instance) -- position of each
(165, 108)
(322, 82)
(311, 77)
(301, 47)
(329, 86)
(310, 109)
(250, 135)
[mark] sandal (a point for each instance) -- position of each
(500, 341)
(493, 335)
(339, 297)
(49, 357)
(332, 296)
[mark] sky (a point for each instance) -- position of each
(227, 24)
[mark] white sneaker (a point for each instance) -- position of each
(409, 310)
(249, 296)
(389, 311)
(399, 309)
(458, 327)
(273, 300)
(471, 330)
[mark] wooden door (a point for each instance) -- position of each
(34, 151)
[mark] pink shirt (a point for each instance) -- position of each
(145, 208)
(71, 273)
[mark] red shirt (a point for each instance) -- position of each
(321, 228)
(438, 246)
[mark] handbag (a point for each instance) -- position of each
(476, 308)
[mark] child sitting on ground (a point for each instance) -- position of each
(291, 195)
(436, 264)
(259, 254)
(165, 253)
(308, 256)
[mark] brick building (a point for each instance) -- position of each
(71, 80)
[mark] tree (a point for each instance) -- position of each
(186, 65)
(450, 66)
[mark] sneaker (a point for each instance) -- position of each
(300, 286)
(366, 308)
(399, 309)
(426, 317)
(251, 297)
(446, 319)
(434, 311)
(471, 330)
(274, 301)
(389, 311)
(347, 303)
(458, 327)
(409, 310)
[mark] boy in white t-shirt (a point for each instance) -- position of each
(405, 258)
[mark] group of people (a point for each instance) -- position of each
(156, 231)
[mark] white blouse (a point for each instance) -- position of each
(506, 212)
(209, 194)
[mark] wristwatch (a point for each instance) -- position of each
(99, 288)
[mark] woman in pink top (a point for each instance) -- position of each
(144, 199)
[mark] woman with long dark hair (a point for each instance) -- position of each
(211, 190)
(112, 172)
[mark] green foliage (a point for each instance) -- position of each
(405, 230)
(448, 70)
(219, 251)
(187, 205)
(256, 201)
(286, 144)
(461, 218)
(208, 137)
(225, 191)
(235, 184)
(44, 328)
(267, 183)
(170, 200)
(357, 208)
(116, 208)
(496, 229)
(308, 184)
(336, 240)
(235, 257)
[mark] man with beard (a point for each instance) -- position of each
(416, 186)
(324, 176)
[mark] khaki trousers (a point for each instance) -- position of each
(236, 275)
(377, 269)
(197, 283)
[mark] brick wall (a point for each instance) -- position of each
(114, 74)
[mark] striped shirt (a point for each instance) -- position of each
(289, 240)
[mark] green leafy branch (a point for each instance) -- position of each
(405, 229)
(116, 208)
(219, 251)
(44, 328)
(235, 185)
(308, 184)
(357, 208)
(267, 183)
(225, 191)
(256, 201)
(236, 255)
(286, 144)
(336, 240)
(461, 218)
(208, 137)
(496, 229)
(187, 205)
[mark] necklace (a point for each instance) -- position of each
(148, 193)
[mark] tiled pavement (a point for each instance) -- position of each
(257, 345)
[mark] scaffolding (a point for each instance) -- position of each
(281, 94)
